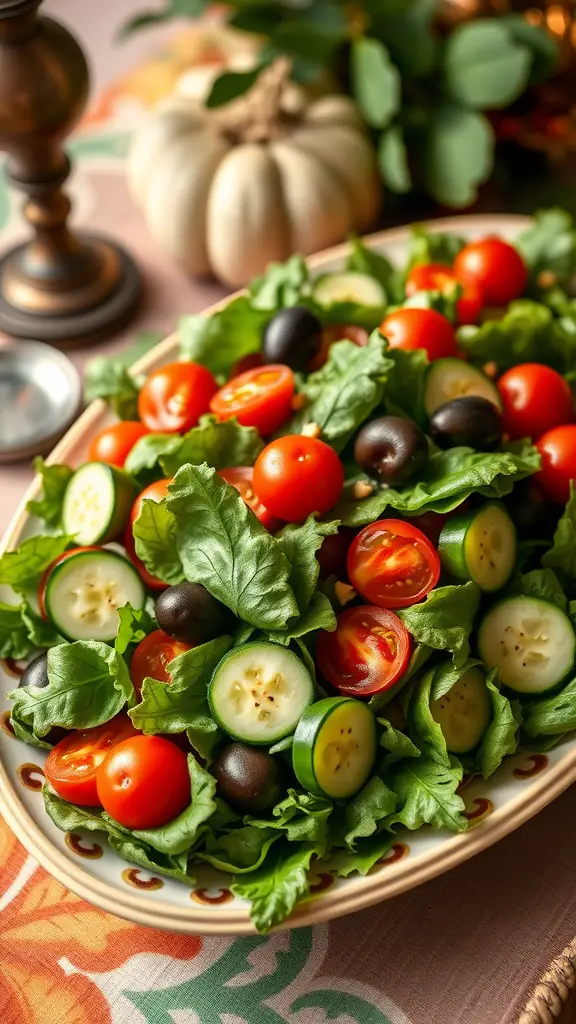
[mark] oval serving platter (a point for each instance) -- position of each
(520, 788)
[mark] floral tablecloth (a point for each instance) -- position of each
(464, 949)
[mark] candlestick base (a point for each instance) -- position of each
(86, 317)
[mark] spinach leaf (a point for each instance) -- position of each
(299, 544)
(275, 887)
(542, 583)
(526, 333)
(362, 260)
(501, 736)
(318, 615)
(23, 568)
(220, 444)
(220, 340)
(41, 633)
(15, 641)
(69, 817)
(341, 395)
(89, 684)
(223, 546)
(143, 459)
(302, 817)
(445, 619)
(367, 853)
(128, 848)
(155, 541)
(108, 377)
(424, 730)
(427, 795)
(135, 625)
(550, 716)
(364, 813)
(549, 245)
(238, 851)
(55, 480)
(433, 246)
(396, 743)
(281, 285)
(448, 479)
(23, 731)
(562, 557)
(180, 833)
(406, 383)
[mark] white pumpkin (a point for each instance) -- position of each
(226, 191)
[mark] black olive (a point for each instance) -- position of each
(392, 449)
(532, 513)
(471, 421)
(190, 614)
(333, 553)
(249, 778)
(292, 337)
(36, 673)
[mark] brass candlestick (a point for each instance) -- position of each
(59, 287)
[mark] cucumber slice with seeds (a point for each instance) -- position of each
(464, 712)
(479, 545)
(97, 503)
(334, 747)
(259, 691)
(530, 641)
(349, 287)
(453, 378)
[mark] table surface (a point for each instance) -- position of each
(464, 949)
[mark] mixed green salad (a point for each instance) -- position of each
(320, 568)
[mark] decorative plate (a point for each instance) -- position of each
(519, 789)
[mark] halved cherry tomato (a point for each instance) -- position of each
(144, 782)
(440, 277)
(333, 553)
(367, 653)
(240, 477)
(72, 764)
(337, 332)
(297, 475)
(496, 266)
(410, 328)
(392, 564)
(114, 444)
(558, 450)
(152, 657)
(535, 399)
(154, 492)
(260, 398)
(175, 396)
(45, 575)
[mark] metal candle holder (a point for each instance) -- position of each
(60, 287)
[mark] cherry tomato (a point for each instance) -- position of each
(175, 396)
(420, 328)
(558, 450)
(496, 266)
(535, 399)
(114, 444)
(44, 580)
(333, 553)
(441, 278)
(392, 564)
(154, 492)
(72, 764)
(337, 332)
(297, 475)
(260, 398)
(152, 657)
(240, 477)
(367, 653)
(144, 782)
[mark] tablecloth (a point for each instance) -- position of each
(463, 949)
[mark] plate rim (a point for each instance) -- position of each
(359, 892)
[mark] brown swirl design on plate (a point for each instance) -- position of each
(483, 807)
(6, 724)
(324, 880)
(28, 775)
(132, 877)
(205, 896)
(83, 847)
(12, 667)
(466, 780)
(398, 852)
(539, 763)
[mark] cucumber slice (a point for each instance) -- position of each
(349, 287)
(334, 747)
(531, 642)
(464, 713)
(479, 545)
(84, 592)
(453, 378)
(97, 503)
(259, 691)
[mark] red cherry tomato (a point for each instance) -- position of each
(333, 553)
(441, 278)
(174, 397)
(155, 492)
(496, 266)
(420, 328)
(114, 444)
(240, 477)
(367, 653)
(72, 764)
(144, 782)
(44, 580)
(260, 398)
(296, 475)
(535, 399)
(337, 332)
(152, 657)
(392, 564)
(558, 450)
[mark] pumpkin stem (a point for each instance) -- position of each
(258, 116)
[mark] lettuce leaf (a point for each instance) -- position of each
(155, 541)
(501, 736)
(299, 544)
(364, 813)
(239, 851)
(444, 621)
(562, 557)
(550, 716)
(55, 480)
(181, 833)
(302, 817)
(282, 284)
(15, 640)
(433, 246)
(549, 245)
(362, 260)
(396, 743)
(220, 340)
(528, 332)
(427, 795)
(23, 568)
(220, 444)
(135, 625)
(368, 852)
(275, 887)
